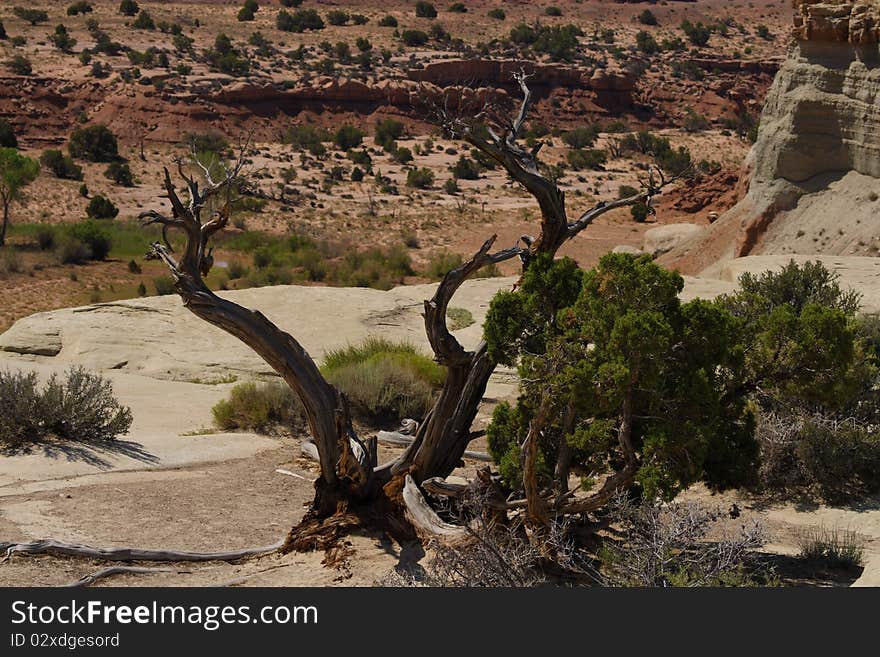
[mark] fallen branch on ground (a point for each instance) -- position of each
(51, 546)
(86, 580)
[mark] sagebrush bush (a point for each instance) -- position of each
(834, 548)
(80, 406)
(260, 407)
(384, 381)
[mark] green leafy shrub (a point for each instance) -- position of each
(164, 285)
(338, 17)
(120, 173)
(497, 13)
(80, 7)
(592, 158)
(268, 408)
(32, 16)
(388, 21)
(100, 207)
(144, 21)
(60, 165)
(94, 236)
(425, 10)
(466, 168)
(19, 65)
(420, 178)
(299, 21)
(441, 263)
(348, 137)
(387, 132)
(128, 7)
(95, 143)
(61, 39)
(7, 135)
(414, 38)
(384, 381)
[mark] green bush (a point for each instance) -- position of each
(32, 16)
(144, 21)
(299, 21)
(60, 165)
(592, 158)
(80, 407)
(95, 143)
(348, 137)
(441, 263)
(497, 13)
(94, 236)
(384, 381)
(120, 173)
(268, 408)
(100, 207)
(61, 39)
(420, 178)
(387, 132)
(582, 137)
(71, 251)
(647, 17)
(7, 135)
(19, 65)
(164, 285)
(466, 169)
(425, 10)
(414, 38)
(128, 7)
(338, 17)
(388, 21)
(458, 8)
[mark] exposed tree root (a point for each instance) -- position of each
(51, 546)
(87, 580)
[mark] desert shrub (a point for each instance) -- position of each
(582, 137)
(10, 261)
(267, 408)
(387, 132)
(425, 10)
(670, 545)
(164, 285)
(458, 8)
(60, 165)
(440, 264)
(458, 318)
(95, 143)
(466, 169)
(338, 17)
(291, 3)
(451, 186)
(143, 21)
(694, 122)
(388, 21)
(832, 548)
(647, 17)
(78, 407)
(61, 39)
(94, 236)
(7, 135)
(100, 207)
(299, 21)
(128, 7)
(307, 137)
(698, 34)
(646, 43)
(120, 173)
(248, 11)
(71, 251)
(348, 137)
(818, 456)
(558, 42)
(21, 408)
(32, 16)
(592, 158)
(225, 58)
(3, 34)
(497, 13)
(19, 65)
(81, 7)
(414, 38)
(45, 236)
(420, 178)
(384, 381)
(376, 268)
(640, 212)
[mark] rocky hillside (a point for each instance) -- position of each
(815, 167)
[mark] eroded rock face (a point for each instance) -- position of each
(820, 131)
(837, 21)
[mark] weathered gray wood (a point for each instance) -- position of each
(423, 517)
(51, 546)
(87, 580)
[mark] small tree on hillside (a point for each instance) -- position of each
(16, 172)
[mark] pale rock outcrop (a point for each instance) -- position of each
(814, 170)
(663, 239)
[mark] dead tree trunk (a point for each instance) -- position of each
(350, 478)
